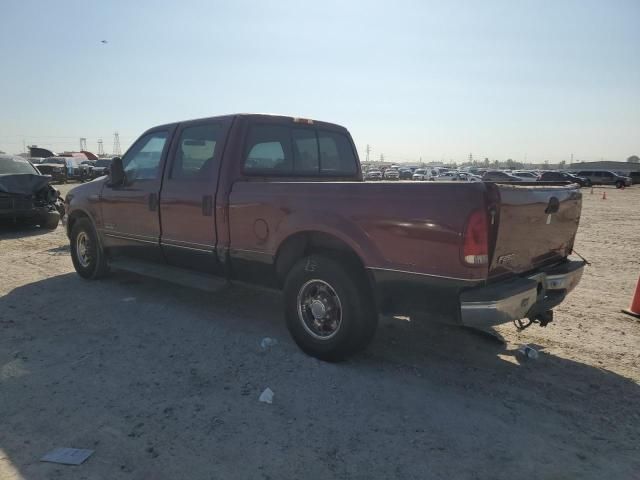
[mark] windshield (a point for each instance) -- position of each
(10, 165)
(58, 161)
(102, 163)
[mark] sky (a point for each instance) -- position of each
(437, 80)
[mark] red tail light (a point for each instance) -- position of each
(475, 250)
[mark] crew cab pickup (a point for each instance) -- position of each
(280, 201)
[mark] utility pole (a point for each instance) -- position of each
(572, 158)
(116, 144)
(381, 158)
(368, 150)
(83, 144)
(100, 148)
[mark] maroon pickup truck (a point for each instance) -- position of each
(280, 201)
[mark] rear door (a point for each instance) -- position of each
(536, 226)
(187, 203)
(131, 223)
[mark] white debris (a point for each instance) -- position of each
(129, 299)
(268, 342)
(67, 456)
(528, 351)
(266, 396)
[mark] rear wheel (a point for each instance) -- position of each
(329, 309)
(87, 255)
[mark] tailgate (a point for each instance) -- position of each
(536, 226)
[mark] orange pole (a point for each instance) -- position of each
(634, 309)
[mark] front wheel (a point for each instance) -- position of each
(619, 184)
(329, 308)
(87, 255)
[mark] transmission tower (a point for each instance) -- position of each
(116, 144)
(368, 150)
(100, 148)
(83, 144)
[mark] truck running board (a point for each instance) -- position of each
(168, 273)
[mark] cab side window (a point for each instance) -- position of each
(305, 149)
(336, 154)
(195, 153)
(268, 150)
(142, 161)
(291, 151)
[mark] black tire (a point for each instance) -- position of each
(93, 264)
(619, 184)
(358, 314)
(50, 221)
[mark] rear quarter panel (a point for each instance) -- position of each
(415, 227)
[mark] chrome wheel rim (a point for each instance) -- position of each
(319, 309)
(82, 249)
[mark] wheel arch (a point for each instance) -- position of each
(304, 243)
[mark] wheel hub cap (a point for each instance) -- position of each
(82, 249)
(319, 309)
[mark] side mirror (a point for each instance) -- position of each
(116, 171)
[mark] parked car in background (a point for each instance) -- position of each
(500, 176)
(391, 174)
(100, 167)
(556, 176)
(456, 177)
(469, 177)
(635, 177)
(77, 169)
(55, 167)
(526, 175)
(405, 173)
(26, 195)
(63, 169)
(283, 205)
(373, 175)
(425, 174)
(605, 177)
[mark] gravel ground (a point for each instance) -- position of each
(163, 382)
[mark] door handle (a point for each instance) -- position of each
(153, 202)
(207, 205)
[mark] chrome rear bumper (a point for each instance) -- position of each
(520, 297)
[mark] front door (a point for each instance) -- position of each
(187, 206)
(130, 213)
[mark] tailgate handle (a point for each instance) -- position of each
(553, 207)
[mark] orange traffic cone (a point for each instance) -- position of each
(591, 190)
(604, 195)
(634, 309)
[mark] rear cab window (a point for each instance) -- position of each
(296, 150)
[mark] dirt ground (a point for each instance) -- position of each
(163, 382)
